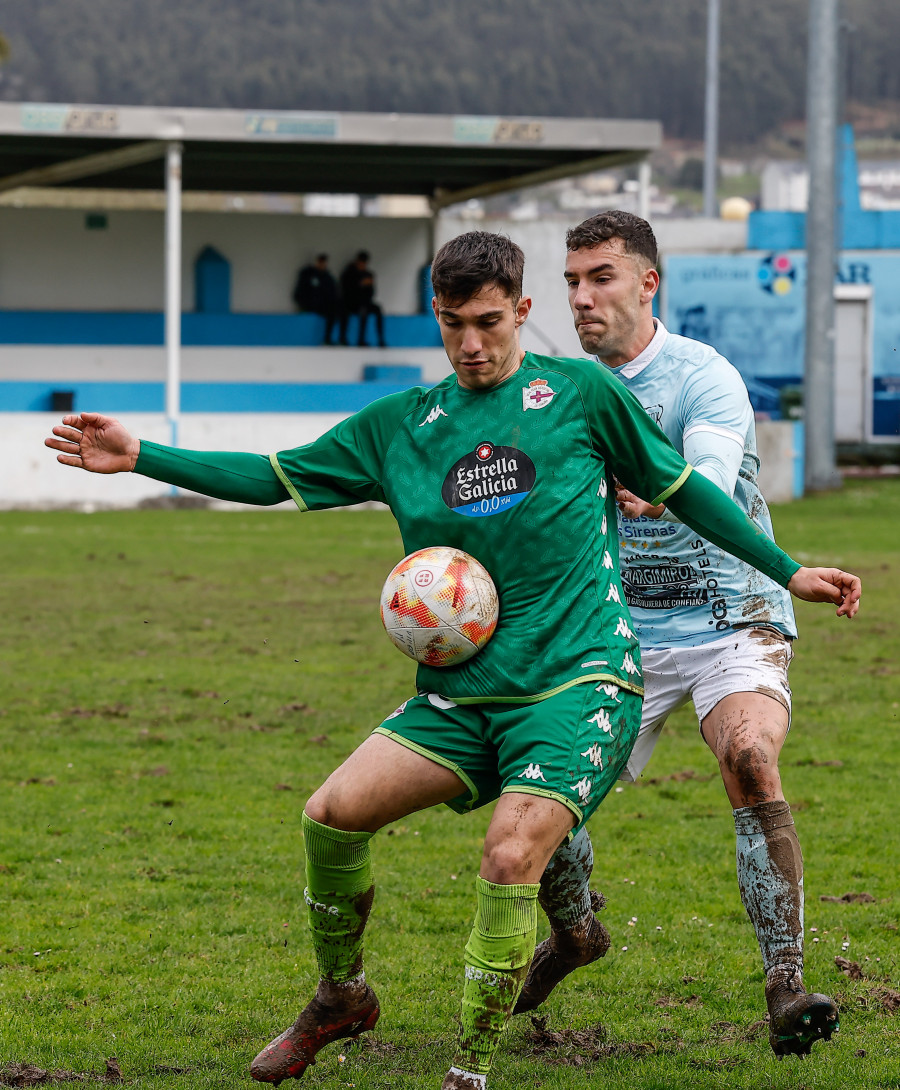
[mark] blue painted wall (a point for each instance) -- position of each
(199, 397)
(751, 308)
(241, 330)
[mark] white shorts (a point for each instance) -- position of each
(749, 660)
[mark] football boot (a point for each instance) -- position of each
(289, 1055)
(563, 953)
(797, 1019)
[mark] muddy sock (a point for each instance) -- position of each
(564, 894)
(498, 954)
(339, 894)
(770, 877)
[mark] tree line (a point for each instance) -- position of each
(568, 58)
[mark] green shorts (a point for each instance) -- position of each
(570, 747)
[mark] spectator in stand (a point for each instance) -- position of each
(358, 291)
(316, 291)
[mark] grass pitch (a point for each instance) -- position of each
(174, 684)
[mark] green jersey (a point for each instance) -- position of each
(520, 476)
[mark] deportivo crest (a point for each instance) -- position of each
(537, 394)
(488, 480)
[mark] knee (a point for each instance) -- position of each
(509, 862)
(751, 767)
(326, 807)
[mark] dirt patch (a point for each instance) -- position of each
(16, 1074)
(881, 995)
(304, 708)
(676, 777)
(808, 762)
(576, 1047)
(725, 1063)
(851, 898)
(374, 1046)
(730, 1031)
(691, 1001)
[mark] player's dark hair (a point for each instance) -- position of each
(636, 233)
(469, 262)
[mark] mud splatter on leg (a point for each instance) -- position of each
(770, 877)
(577, 938)
(498, 954)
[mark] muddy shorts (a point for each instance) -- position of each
(749, 660)
(570, 747)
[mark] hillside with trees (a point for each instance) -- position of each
(565, 58)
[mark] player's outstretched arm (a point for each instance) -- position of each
(99, 444)
(828, 585)
(706, 509)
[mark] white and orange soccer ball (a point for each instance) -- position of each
(439, 606)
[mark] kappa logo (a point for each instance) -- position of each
(602, 721)
(628, 664)
(594, 755)
(613, 594)
(583, 788)
(537, 394)
(622, 629)
(612, 691)
(603, 524)
(607, 560)
(432, 416)
(532, 772)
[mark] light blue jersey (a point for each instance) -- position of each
(680, 588)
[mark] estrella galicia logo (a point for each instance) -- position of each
(776, 274)
(488, 480)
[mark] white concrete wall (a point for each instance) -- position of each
(31, 476)
(125, 363)
(50, 261)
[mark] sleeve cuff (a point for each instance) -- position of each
(674, 486)
(288, 484)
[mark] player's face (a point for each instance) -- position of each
(611, 293)
(481, 336)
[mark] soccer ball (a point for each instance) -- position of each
(439, 606)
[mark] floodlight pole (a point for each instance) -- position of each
(711, 112)
(644, 189)
(173, 289)
(820, 470)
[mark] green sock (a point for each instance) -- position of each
(339, 894)
(498, 954)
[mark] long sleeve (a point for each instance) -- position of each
(244, 478)
(706, 509)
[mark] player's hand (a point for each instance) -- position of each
(828, 585)
(96, 443)
(632, 506)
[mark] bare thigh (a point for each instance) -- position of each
(746, 732)
(380, 782)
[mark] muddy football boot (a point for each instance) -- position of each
(289, 1055)
(563, 953)
(797, 1019)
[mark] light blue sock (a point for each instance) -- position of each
(565, 895)
(770, 877)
